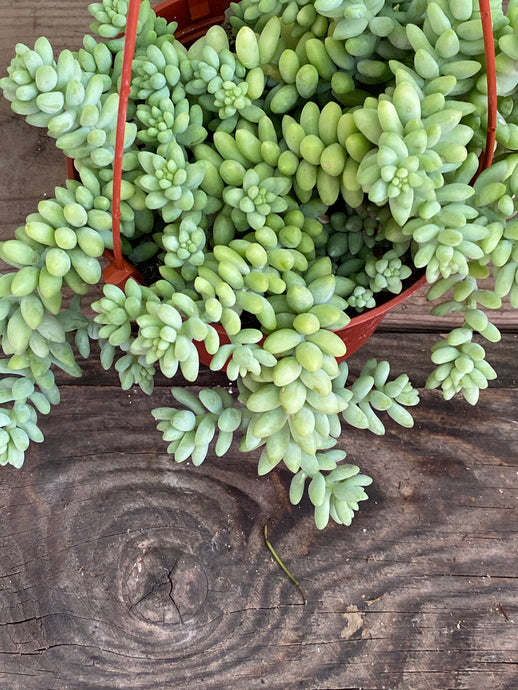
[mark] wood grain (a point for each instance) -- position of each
(120, 569)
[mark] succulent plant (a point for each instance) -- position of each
(273, 186)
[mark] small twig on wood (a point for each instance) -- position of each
(281, 564)
(503, 612)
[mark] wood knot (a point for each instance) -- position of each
(165, 586)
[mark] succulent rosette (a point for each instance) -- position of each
(171, 184)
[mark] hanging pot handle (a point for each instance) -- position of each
(489, 49)
(119, 270)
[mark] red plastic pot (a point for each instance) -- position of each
(194, 18)
(361, 327)
(357, 331)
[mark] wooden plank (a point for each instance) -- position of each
(406, 352)
(30, 169)
(30, 165)
(414, 314)
(409, 353)
(119, 569)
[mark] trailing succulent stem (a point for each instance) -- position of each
(296, 420)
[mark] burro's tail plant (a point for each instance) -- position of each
(274, 185)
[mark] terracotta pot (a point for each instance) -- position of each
(194, 17)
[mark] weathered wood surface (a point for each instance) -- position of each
(119, 569)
